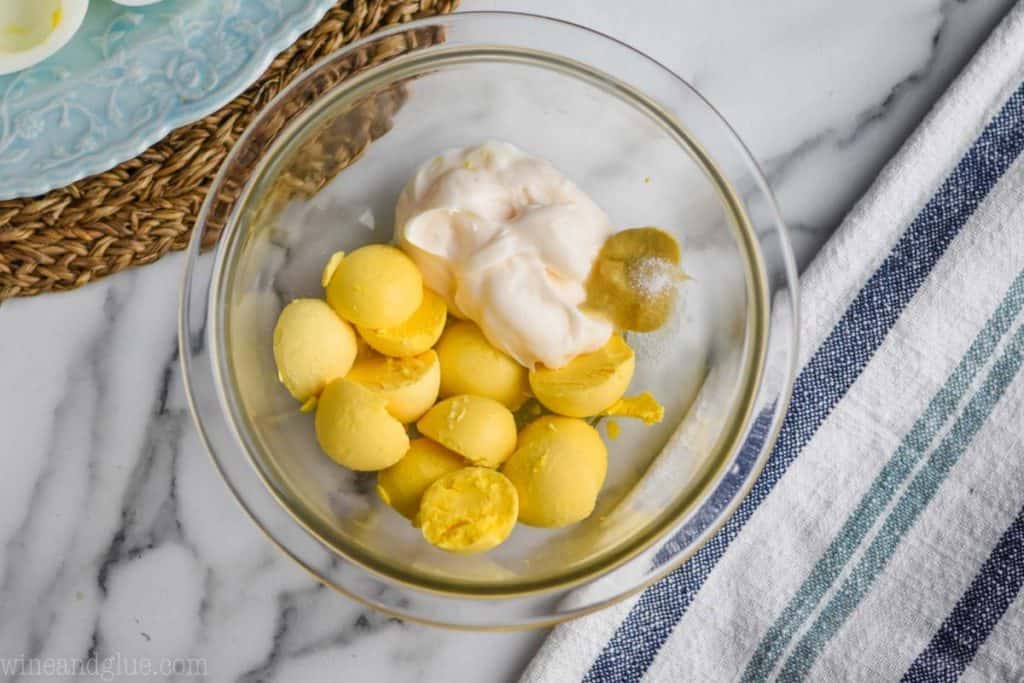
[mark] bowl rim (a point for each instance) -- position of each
(728, 444)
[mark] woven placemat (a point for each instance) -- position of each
(138, 211)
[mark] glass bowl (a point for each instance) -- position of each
(320, 169)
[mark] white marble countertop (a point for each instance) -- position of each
(118, 538)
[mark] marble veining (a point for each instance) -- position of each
(117, 537)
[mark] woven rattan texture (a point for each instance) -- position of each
(138, 211)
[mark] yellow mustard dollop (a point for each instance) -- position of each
(634, 280)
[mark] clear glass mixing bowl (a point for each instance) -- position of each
(320, 170)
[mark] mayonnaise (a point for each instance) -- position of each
(508, 241)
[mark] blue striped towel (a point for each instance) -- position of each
(884, 540)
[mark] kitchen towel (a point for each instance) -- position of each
(884, 540)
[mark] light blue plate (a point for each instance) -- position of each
(131, 75)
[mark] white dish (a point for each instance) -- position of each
(32, 30)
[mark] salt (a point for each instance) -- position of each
(651, 277)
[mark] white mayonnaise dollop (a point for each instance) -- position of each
(508, 241)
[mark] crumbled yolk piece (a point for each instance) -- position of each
(643, 407)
